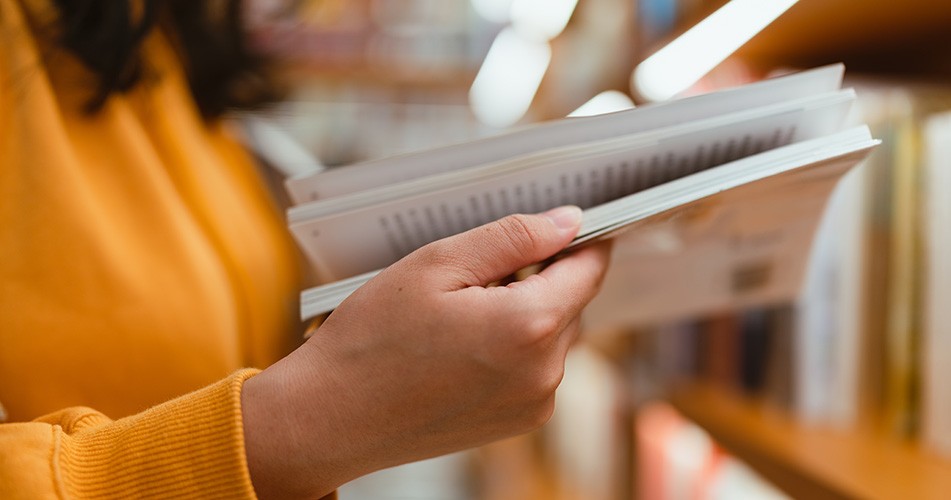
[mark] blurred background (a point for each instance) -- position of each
(837, 395)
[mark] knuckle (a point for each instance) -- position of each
(518, 230)
(540, 327)
(436, 254)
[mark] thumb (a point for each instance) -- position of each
(495, 250)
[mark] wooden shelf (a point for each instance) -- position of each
(814, 461)
(910, 36)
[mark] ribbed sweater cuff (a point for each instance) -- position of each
(192, 446)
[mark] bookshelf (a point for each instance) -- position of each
(386, 102)
(816, 32)
(812, 461)
(909, 37)
(906, 46)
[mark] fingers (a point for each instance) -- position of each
(498, 249)
(571, 282)
(543, 306)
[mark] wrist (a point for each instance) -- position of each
(290, 452)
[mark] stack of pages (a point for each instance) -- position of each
(665, 170)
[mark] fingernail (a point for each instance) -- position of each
(566, 217)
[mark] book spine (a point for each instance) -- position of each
(936, 328)
(903, 307)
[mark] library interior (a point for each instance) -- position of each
(835, 393)
(717, 388)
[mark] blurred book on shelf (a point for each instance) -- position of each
(677, 460)
(901, 182)
(936, 325)
(748, 351)
(866, 343)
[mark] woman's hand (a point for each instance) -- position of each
(425, 359)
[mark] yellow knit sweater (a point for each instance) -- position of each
(140, 259)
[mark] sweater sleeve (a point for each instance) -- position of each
(190, 447)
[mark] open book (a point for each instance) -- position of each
(775, 148)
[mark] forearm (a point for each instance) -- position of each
(292, 447)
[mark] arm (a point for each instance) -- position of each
(425, 359)
(421, 361)
(189, 447)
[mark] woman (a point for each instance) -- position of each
(142, 259)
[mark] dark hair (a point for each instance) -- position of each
(222, 72)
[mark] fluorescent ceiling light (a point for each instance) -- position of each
(508, 79)
(542, 19)
(680, 64)
(494, 10)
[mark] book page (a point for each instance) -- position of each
(818, 116)
(371, 237)
(740, 248)
(341, 181)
